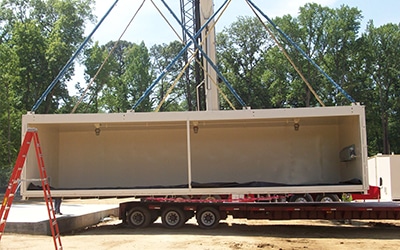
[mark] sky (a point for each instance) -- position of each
(150, 27)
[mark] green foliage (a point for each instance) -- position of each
(328, 37)
(9, 116)
(241, 57)
(382, 67)
(116, 94)
(364, 65)
(116, 81)
(37, 38)
(161, 56)
(137, 76)
(98, 80)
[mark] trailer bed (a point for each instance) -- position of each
(216, 210)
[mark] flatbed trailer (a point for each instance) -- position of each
(175, 213)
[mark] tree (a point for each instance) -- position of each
(161, 56)
(9, 115)
(97, 77)
(382, 64)
(37, 38)
(116, 94)
(341, 32)
(241, 51)
(286, 87)
(122, 78)
(44, 35)
(138, 76)
(328, 37)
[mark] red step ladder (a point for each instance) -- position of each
(30, 135)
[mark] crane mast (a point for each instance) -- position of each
(194, 14)
(208, 38)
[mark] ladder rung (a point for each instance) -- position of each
(38, 179)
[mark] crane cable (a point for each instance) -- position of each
(106, 59)
(188, 63)
(287, 56)
(166, 20)
(180, 75)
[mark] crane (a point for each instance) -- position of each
(194, 14)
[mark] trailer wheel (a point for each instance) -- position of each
(208, 217)
(139, 217)
(301, 198)
(327, 198)
(173, 217)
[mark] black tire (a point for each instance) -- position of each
(173, 217)
(301, 198)
(139, 217)
(327, 198)
(208, 217)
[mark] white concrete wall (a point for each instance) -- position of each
(386, 167)
(267, 153)
(149, 149)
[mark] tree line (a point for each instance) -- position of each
(38, 37)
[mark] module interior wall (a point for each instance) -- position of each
(122, 158)
(350, 133)
(48, 139)
(276, 154)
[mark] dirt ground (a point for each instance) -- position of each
(230, 234)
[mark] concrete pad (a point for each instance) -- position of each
(33, 218)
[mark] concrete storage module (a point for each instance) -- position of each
(384, 171)
(195, 153)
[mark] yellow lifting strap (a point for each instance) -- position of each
(288, 57)
(106, 59)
